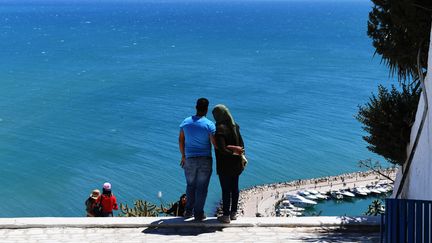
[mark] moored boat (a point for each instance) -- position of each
(347, 194)
(358, 191)
(318, 195)
(300, 201)
(307, 195)
(373, 190)
(287, 212)
(365, 190)
(336, 195)
(321, 197)
(381, 189)
(288, 205)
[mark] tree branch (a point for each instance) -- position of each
(424, 8)
(376, 168)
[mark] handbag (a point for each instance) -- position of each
(244, 161)
(243, 158)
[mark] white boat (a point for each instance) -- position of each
(384, 183)
(288, 205)
(381, 189)
(321, 197)
(307, 195)
(293, 208)
(365, 190)
(287, 213)
(317, 194)
(294, 213)
(285, 203)
(389, 188)
(373, 190)
(296, 209)
(347, 194)
(358, 191)
(300, 201)
(311, 197)
(313, 192)
(385, 186)
(336, 195)
(303, 193)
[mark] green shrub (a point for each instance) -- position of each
(388, 118)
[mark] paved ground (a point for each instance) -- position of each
(172, 235)
(171, 230)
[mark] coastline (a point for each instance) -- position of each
(262, 198)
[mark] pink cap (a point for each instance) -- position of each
(107, 186)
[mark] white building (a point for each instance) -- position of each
(418, 181)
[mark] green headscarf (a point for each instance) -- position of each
(221, 114)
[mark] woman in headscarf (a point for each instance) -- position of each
(229, 149)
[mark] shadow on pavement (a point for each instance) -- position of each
(338, 236)
(351, 230)
(180, 226)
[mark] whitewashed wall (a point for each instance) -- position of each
(418, 184)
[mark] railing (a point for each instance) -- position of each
(406, 220)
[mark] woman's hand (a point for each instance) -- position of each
(182, 161)
(237, 150)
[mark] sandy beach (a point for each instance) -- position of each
(262, 199)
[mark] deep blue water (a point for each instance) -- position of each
(349, 207)
(94, 91)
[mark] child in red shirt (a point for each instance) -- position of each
(107, 201)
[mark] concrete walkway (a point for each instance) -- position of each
(305, 229)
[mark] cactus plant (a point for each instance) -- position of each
(141, 208)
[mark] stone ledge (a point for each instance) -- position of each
(358, 223)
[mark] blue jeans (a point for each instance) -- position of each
(197, 172)
(230, 193)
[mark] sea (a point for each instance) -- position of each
(94, 91)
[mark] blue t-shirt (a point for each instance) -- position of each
(197, 132)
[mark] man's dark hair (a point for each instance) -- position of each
(202, 105)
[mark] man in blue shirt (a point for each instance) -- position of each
(195, 139)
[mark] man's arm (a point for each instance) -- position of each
(172, 209)
(182, 147)
(213, 140)
(212, 131)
